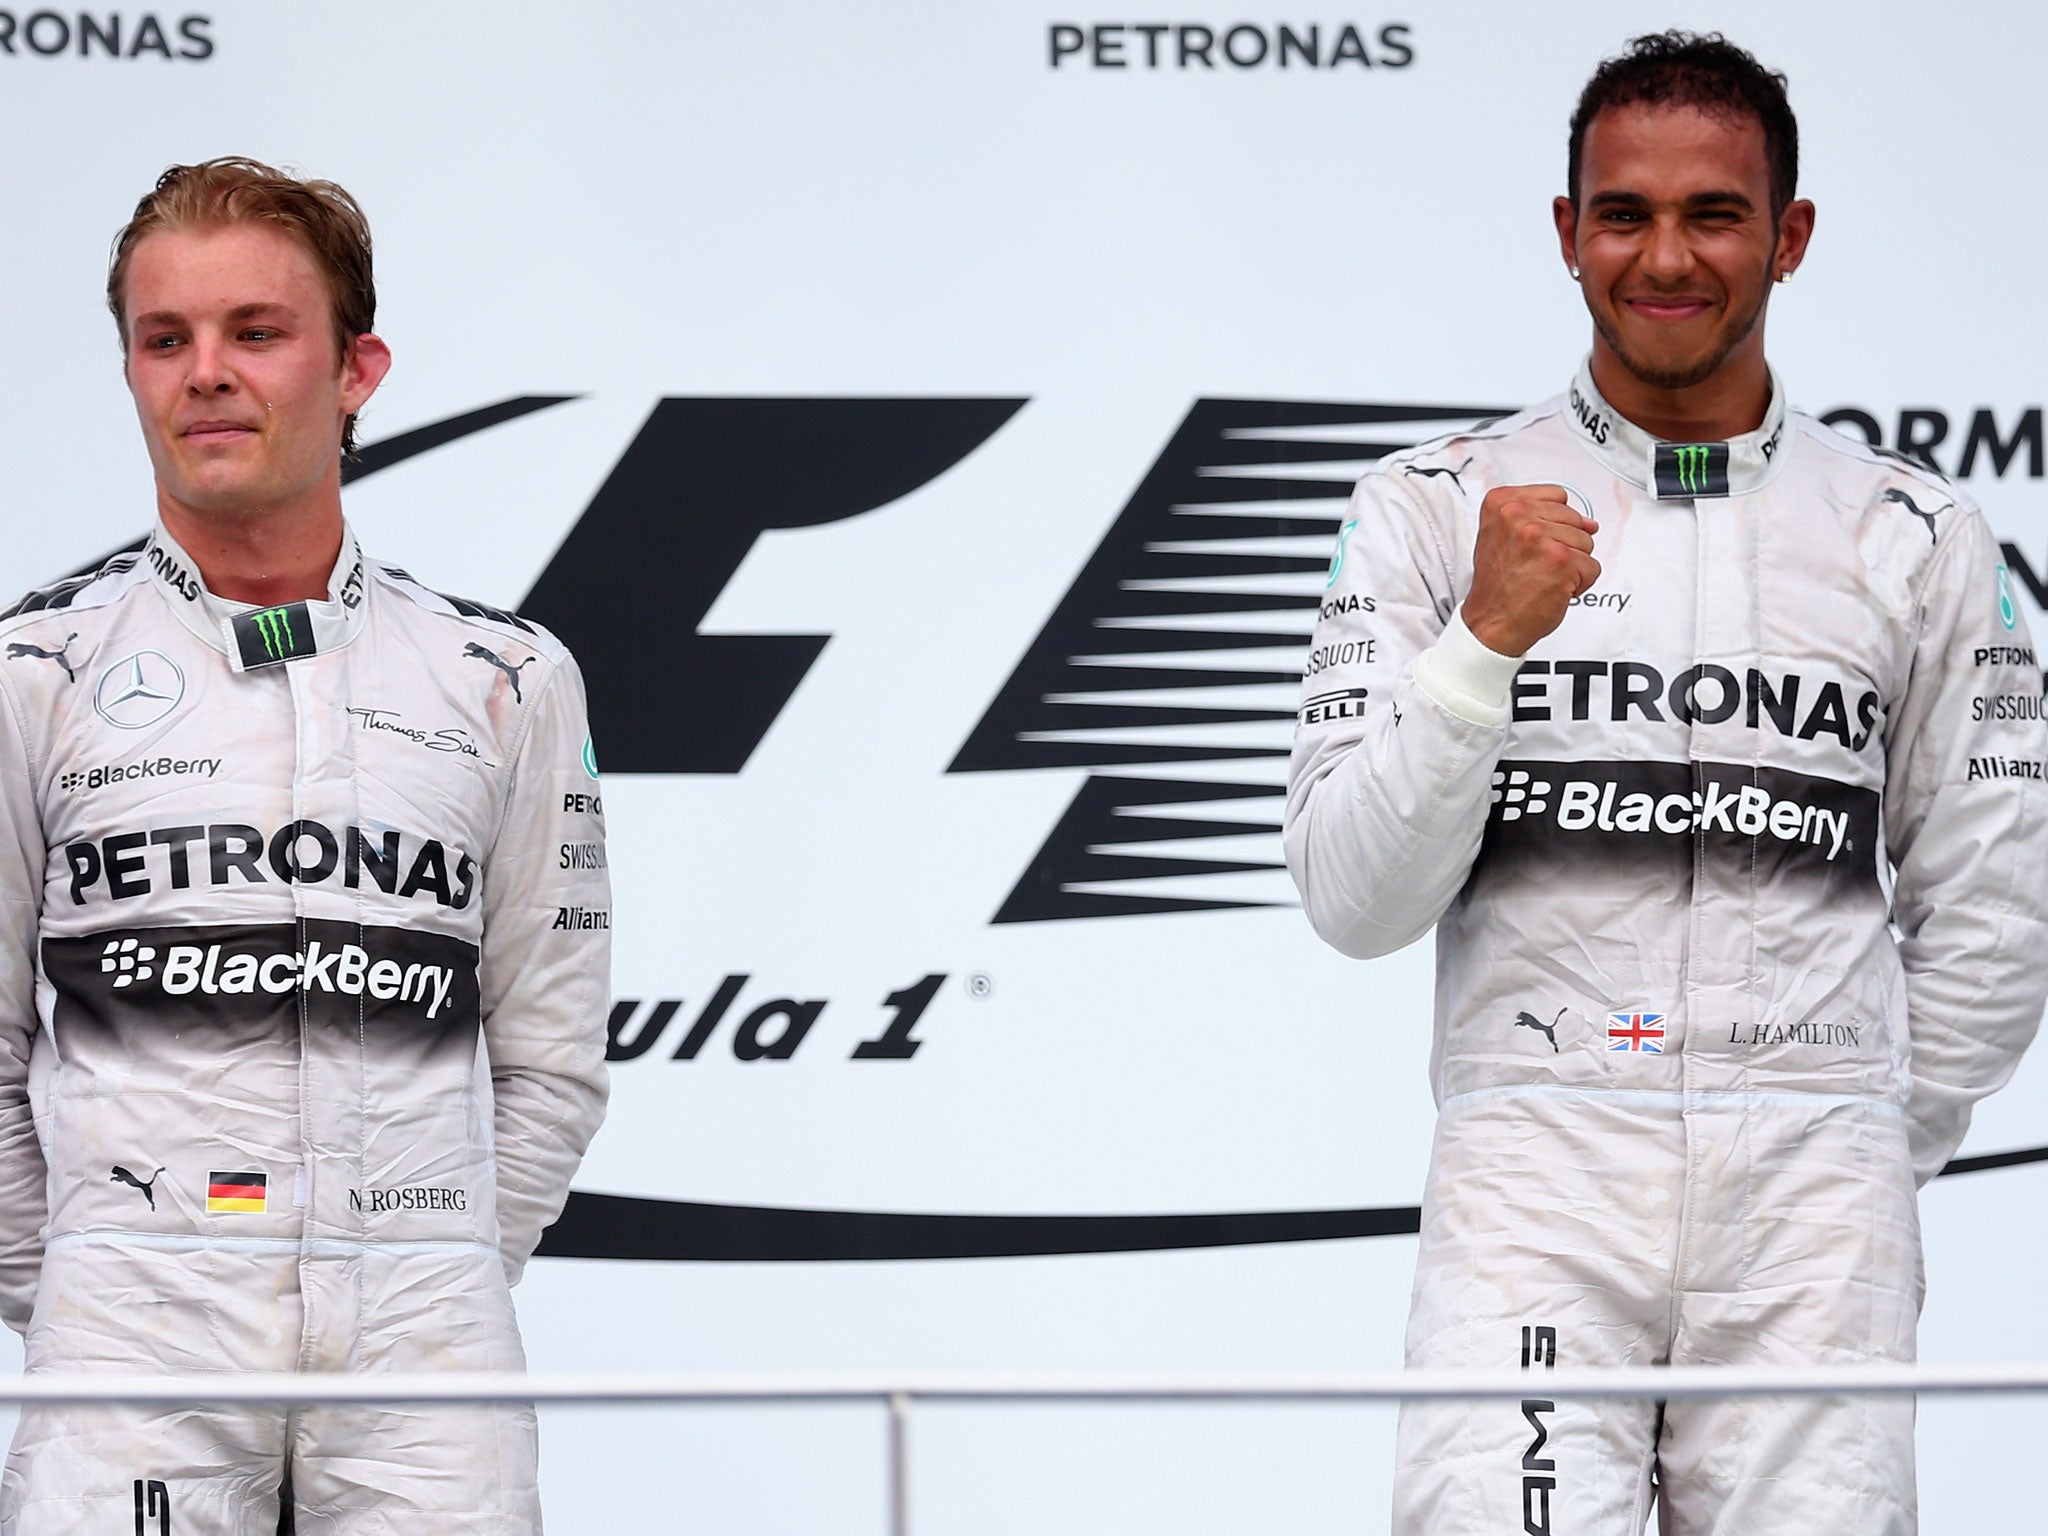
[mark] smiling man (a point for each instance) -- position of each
(1714, 738)
(297, 1053)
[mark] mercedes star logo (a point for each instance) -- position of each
(139, 690)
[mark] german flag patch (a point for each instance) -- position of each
(237, 1192)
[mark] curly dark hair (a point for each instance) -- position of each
(1688, 69)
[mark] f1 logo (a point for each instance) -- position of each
(152, 1501)
(632, 584)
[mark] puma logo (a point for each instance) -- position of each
(1912, 506)
(121, 1175)
(1549, 1031)
(1439, 469)
(482, 653)
(23, 648)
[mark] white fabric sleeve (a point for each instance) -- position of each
(24, 1192)
(1403, 717)
(1966, 817)
(1464, 676)
(546, 970)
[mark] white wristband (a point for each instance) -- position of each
(1465, 677)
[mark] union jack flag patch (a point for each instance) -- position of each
(1636, 1032)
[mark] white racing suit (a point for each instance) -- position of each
(302, 992)
(1738, 882)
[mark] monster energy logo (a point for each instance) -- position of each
(275, 626)
(271, 635)
(1692, 469)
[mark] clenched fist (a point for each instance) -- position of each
(1534, 554)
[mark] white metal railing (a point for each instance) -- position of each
(899, 1392)
(289, 1389)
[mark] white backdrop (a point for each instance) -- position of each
(798, 200)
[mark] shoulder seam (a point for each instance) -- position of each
(65, 594)
(463, 607)
(1488, 431)
(1836, 441)
(480, 619)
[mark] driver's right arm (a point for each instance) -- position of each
(1404, 713)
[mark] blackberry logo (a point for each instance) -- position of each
(126, 961)
(1519, 794)
(1634, 809)
(75, 779)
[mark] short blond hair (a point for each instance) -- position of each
(321, 216)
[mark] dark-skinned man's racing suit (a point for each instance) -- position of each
(1738, 883)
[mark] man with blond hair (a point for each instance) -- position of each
(301, 1021)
